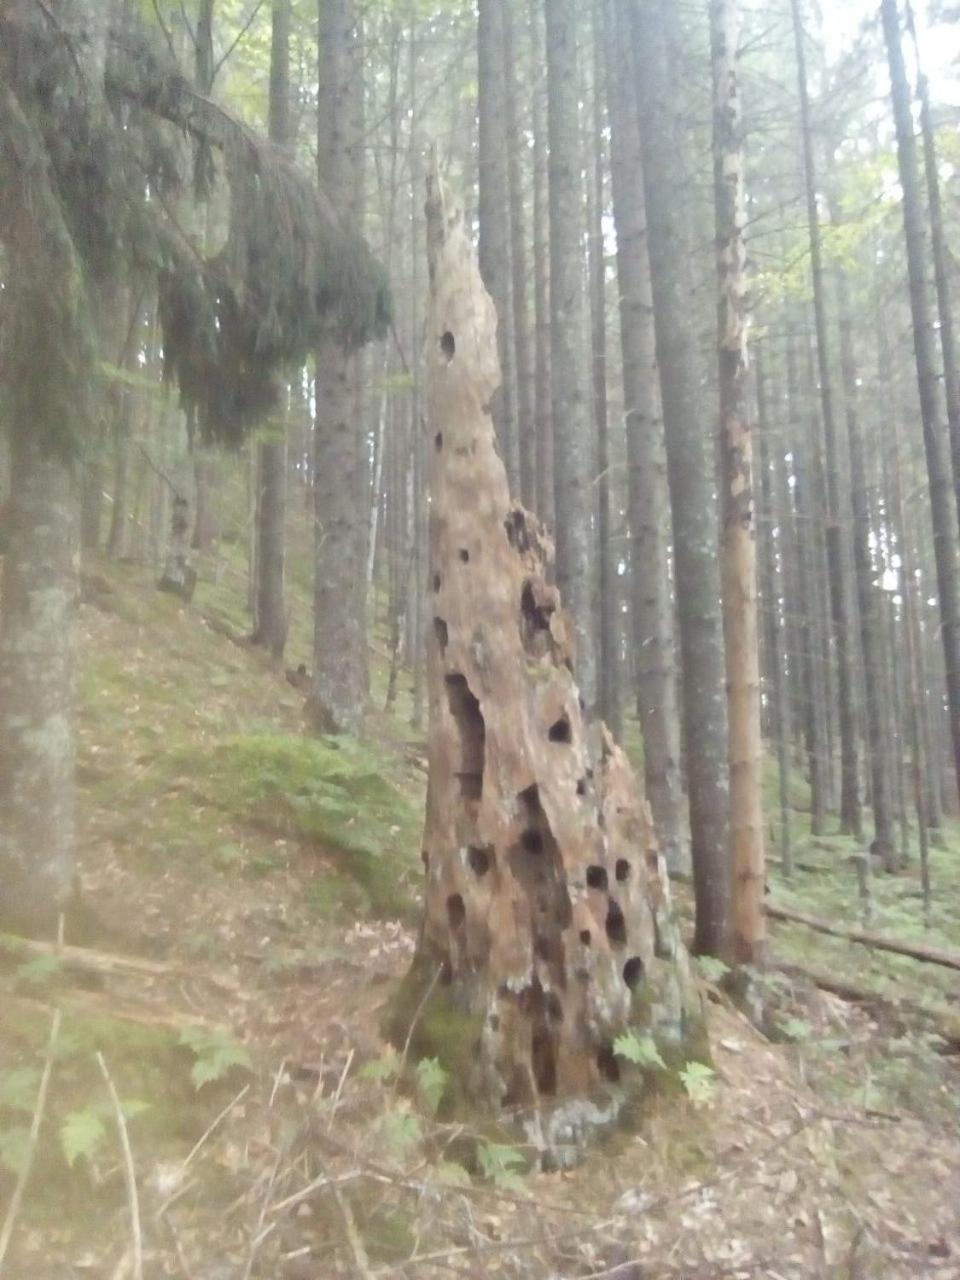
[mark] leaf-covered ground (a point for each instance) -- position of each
(253, 895)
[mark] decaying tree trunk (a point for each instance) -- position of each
(547, 929)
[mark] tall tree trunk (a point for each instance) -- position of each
(543, 406)
(690, 474)
(571, 410)
(773, 493)
(804, 538)
(494, 219)
(651, 601)
(747, 921)
(941, 264)
(936, 446)
(871, 636)
(608, 596)
(270, 628)
(838, 513)
(340, 686)
(523, 350)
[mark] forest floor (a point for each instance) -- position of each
(252, 897)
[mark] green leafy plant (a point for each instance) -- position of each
(640, 1050)
(712, 968)
(432, 1081)
(500, 1164)
(81, 1134)
(216, 1054)
(795, 1029)
(699, 1081)
(401, 1130)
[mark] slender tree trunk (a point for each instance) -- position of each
(523, 348)
(871, 622)
(651, 602)
(608, 602)
(836, 503)
(543, 407)
(941, 263)
(270, 630)
(571, 411)
(936, 446)
(494, 219)
(690, 475)
(340, 672)
(804, 619)
(773, 492)
(747, 921)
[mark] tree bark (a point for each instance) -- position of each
(746, 942)
(608, 595)
(838, 512)
(340, 687)
(547, 929)
(270, 629)
(652, 616)
(936, 447)
(544, 504)
(494, 218)
(690, 474)
(523, 361)
(570, 407)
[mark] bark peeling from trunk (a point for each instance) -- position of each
(548, 928)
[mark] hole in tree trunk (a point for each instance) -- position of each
(607, 1064)
(464, 555)
(516, 529)
(442, 633)
(560, 731)
(448, 345)
(456, 911)
(532, 841)
(537, 866)
(544, 1061)
(534, 620)
(479, 857)
(581, 786)
(438, 441)
(436, 582)
(633, 972)
(585, 937)
(616, 925)
(465, 710)
(622, 870)
(596, 878)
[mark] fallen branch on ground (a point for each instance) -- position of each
(914, 950)
(86, 960)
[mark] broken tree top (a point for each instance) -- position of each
(547, 929)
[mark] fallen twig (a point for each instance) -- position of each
(13, 1208)
(129, 1172)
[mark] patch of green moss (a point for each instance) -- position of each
(332, 792)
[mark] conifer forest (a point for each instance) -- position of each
(479, 639)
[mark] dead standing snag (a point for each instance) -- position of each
(547, 928)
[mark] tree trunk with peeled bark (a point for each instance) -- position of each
(936, 445)
(747, 936)
(569, 382)
(341, 682)
(691, 477)
(547, 930)
(543, 409)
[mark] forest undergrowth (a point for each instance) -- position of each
(250, 896)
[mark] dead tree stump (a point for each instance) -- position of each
(547, 928)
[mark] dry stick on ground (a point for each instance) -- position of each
(16, 1199)
(87, 960)
(915, 950)
(129, 1172)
